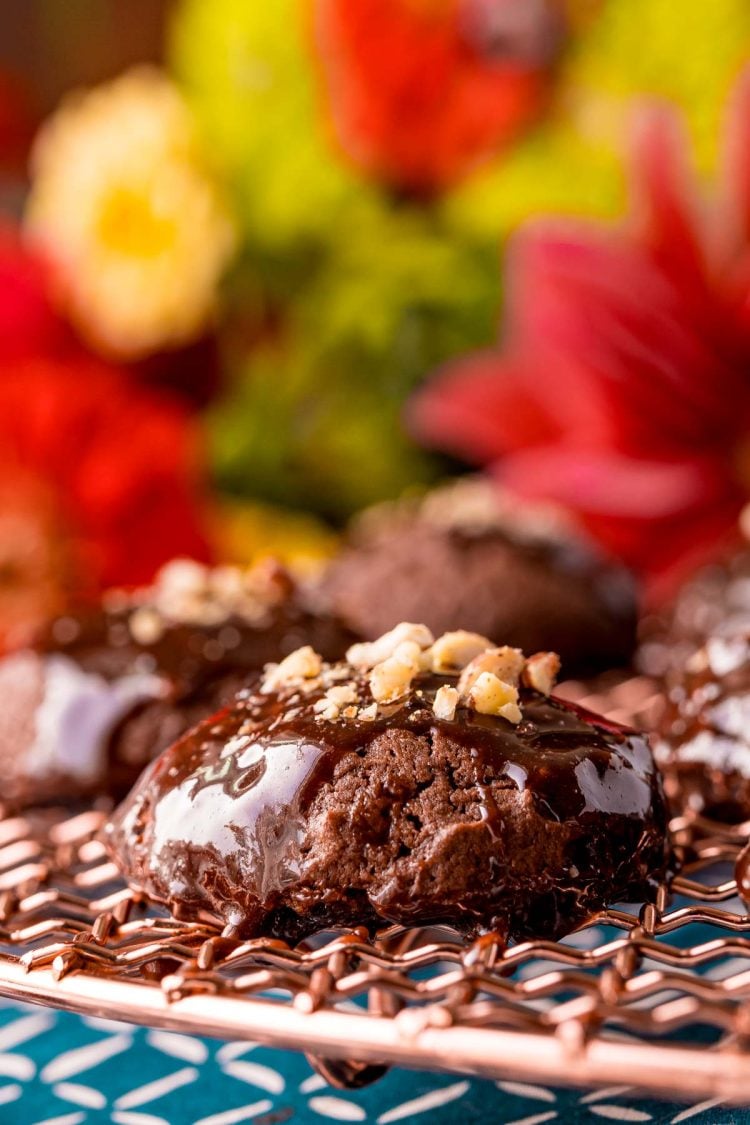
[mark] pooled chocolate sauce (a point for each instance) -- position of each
(273, 820)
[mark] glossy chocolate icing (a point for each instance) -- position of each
(699, 648)
(97, 698)
(715, 602)
(272, 820)
(703, 740)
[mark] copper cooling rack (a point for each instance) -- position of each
(657, 995)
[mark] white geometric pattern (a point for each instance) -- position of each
(184, 1080)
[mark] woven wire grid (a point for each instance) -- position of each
(655, 995)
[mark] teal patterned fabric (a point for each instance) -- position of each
(61, 1069)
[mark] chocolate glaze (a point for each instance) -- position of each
(715, 602)
(699, 648)
(269, 819)
(90, 705)
(703, 739)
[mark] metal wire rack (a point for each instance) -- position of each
(656, 994)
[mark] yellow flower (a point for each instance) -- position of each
(246, 532)
(123, 203)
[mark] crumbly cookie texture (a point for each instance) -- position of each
(388, 671)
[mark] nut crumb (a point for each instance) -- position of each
(336, 698)
(146, 625)
(453, 651)
(489, 695)
(445, 703)
(302, 664)
(369, 653)
(391, 678)
(541, 670)
(505, 663)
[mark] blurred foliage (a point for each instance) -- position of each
(314, 415)
(247, 68)
(687, 53)
(364, 292)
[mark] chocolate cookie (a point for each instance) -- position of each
(416, 782)
(703, 739)
(105, 690)
(466, 557)
(714, 602)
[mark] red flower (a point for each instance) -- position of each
(623, 389)
(28, 323)
(100, 476)
(420, 90)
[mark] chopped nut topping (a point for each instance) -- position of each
(343, 693)
(324, 709)
(698, 661)
(445, 703)
(370, 653)
(505, 663)
(335, 699)
(490, 696)
(540, 672)
(146, 625)
(488, 677)
(391, 678)
(302, 664)
(193, 594)
(453, 651)
(182, 576)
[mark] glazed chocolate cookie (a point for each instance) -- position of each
(698, 648)
(416, 782)
(105, 690)
(714, 602)
(466, 557)
(703, 739)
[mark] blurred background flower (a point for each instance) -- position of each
(123, 204)
(101, 479)
(421, 92)
(622, 390)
